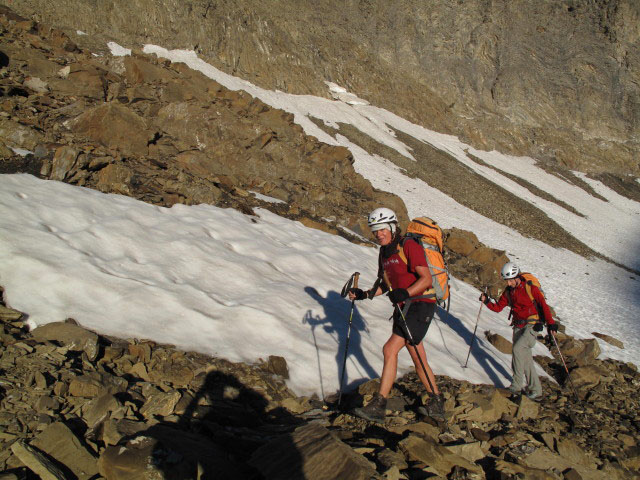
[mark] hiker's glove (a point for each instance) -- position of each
(358, 293)
(552, 327)
(398, 295)
(538, 327)
(484, 298)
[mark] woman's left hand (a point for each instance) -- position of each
(398, 295)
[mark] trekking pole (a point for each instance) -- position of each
(474, 330)
(345, 291)
(406, 329)
(565, 365)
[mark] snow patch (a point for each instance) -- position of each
(117, 50)
(21, 151)
(266, 198)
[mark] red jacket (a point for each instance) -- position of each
(522, 306)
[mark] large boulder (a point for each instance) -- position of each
(114, 126)
(139, 70)
(64, 160)
(15, 134)
(589, 353)
(585, 378)
(462, 242)
(73, 336)
(609, 339)
(502, 344)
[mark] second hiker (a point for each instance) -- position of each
(409, 281)
(530, 312)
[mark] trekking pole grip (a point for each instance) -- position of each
(386, 280)
(355, 279)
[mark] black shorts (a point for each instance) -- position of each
(418, 320)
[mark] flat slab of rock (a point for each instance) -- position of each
(479, 407)
(609, 339)
(59, 442)
(502, 344)
(439, 459)
(74, 336)
(311, 453)
(37, 462)
(9, 314)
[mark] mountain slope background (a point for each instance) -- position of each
(170, 130)
(165, 127)
(558, 81)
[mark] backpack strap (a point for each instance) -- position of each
(401, 253)
(380, 280)
(527, 287)
(430, 292)
(510, 303)
(540, 315)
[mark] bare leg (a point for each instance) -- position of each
(419, 370)
(390, 367)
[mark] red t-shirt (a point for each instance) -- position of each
(403, 275)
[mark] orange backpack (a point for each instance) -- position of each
(429, 235)
(530, 279)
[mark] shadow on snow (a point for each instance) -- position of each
(335, 321)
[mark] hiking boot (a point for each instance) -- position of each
(375, 410)
(434, 407)
(514, 393)
(533, 396)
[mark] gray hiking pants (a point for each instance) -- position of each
(524, 339)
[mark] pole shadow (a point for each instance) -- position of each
(335, 322)
(479, 350)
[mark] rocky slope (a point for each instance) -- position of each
(556, 80)
(78, 405)
(165, 134)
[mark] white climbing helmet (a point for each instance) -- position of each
(382, 218)
(510, 270)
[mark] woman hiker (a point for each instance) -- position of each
(407, 279)
(530, 311)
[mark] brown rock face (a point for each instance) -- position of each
(114, 126)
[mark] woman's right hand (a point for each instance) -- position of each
(357, 294)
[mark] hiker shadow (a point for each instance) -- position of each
(334, 322)
(481, 355)
(221, 432)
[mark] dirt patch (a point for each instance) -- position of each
(626, 186)
(570, 177)
(529, 186)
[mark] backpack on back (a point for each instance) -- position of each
(528, 280)
(429, 235)
(531, 279)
